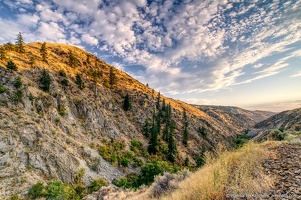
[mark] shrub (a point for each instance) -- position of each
(2, 89)
(62, 73)
(17, 82)
(65, 82)
(241, 140)
(137, 162)
(276, 135)
(17, 96)
(45, 81)
(96, 184)
(37, 190)
(124, 161)
(11, 65)
(55, 190)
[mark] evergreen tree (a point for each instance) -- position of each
(185, 129)
(43, 52)
(45, 81)
(146, 128)
(167, 123)
(73, 61)
(186, 162)
(112, 78)
(79, 81)
(158, 102)
(126, 102)
(88, 59)
(32, 60)
(171, 146)
(153, 143)
(20, 43)
(11, 65)
(2, 53)
(17, 82)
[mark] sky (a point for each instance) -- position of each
(213, 52)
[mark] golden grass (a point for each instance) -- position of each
(237, 172)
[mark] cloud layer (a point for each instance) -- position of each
(184, 47)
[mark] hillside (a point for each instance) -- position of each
(78, 127)
(286, 120)
(236, 118)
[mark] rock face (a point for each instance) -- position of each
(52, 135)
(287, 120)
(237, 118)
(286, 167)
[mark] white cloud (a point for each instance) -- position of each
(89, 39)
(298, 74)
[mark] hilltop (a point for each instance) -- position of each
(64, 119)
(237, 118)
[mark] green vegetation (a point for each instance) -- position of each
(62, 73)
(126, 102)
(153, 143)
(241, 140)
(20, 43)
(185, 129)
(59, 190)
(17, 82)
(12, 66)
(43, 52)
(277, 135)
(73, 61)
(112, 77)
(2, 89)
(17, 96)
(146, 129)
(45, 81)
(79, 81)
(202, 131)
(32, 60)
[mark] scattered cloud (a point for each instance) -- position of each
(298, 74)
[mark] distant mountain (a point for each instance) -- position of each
(236, 118)
(286, 120)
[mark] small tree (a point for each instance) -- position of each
(2, 53)
(146, 128)
(45, 81)
(153, 143)
(79, 81)
(12, 66)
(126, 102)
(185, 129)
(73, 61)
(158, 101)
(20, 43)
(171, 148)
(43, 52)
(17, 82)
(32, 60)
(112, 78)
(9, 46)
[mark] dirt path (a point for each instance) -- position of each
(286, 166)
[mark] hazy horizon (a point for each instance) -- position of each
(244, 54)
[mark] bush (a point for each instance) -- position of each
(62, 73)
(276, 135)
(2, 89)
(45, 81)
(17, 82)
(167, 183)
(65, 82)
(124, 161)
(55, 190)
(11, 65)
(37, 190)
(241, 140)
(96, 184)
(17, 96)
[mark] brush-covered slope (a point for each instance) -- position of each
(237, 118)
(46, 135)
(286, 120)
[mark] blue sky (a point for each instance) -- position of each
(238, 53)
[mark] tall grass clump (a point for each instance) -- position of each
(237, 172)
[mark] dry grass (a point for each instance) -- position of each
(237, 172)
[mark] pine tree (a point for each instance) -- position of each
(73, 61)
(171, 146)
(45, 81)
(79, 81)
(43, 52)
(185, 129)
(153, 143)
(146, 128)
(20, 43)
(112, 78)
(2, 53)
(32, 60)
(158, 102)
(126, 102)
(12, 66)
(17, 82)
